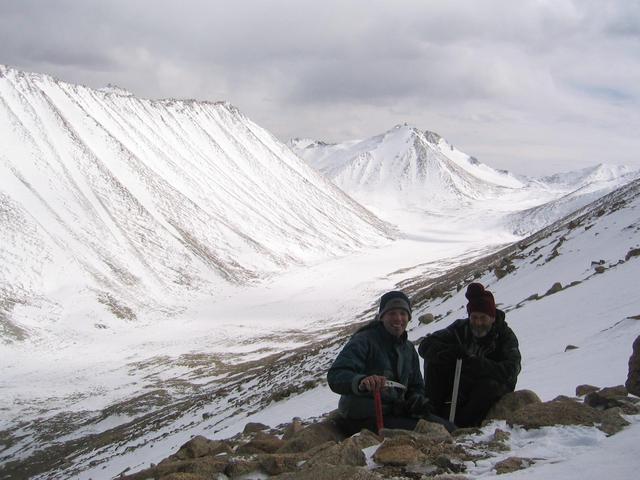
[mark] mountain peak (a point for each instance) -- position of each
(115, 90)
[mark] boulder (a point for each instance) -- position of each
(261, 443)
(600, 269)
(634, 252)
(365, 439)
(241, 466)
(614, 392)
(331, 472)
(512, 464)
(599, 401)
(633, 377)
(346, 453)
(207, 467)
(511, 402)
(612, 422)
(426, 318)
(278, 463)
(564, 412)
(253, 427)
(563, 398)
(312, 435)
(200, 446)
(433, 431)
(582, 390)
(399, 451)
(555, 288)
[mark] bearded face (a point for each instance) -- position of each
(480, 324)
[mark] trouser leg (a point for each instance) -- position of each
(477, 398)
(439, 386)
(442, 421)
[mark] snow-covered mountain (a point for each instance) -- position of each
(415, 166)
(593, 255)
(112, 202)
(419, 171)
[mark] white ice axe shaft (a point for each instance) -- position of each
(456, 385)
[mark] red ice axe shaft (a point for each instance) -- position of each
(377, 400)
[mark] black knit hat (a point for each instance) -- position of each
(393, 300)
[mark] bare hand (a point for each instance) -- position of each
(372, 383)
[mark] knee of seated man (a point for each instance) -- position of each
(490, 388)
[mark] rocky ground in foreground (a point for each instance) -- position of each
(319, 450)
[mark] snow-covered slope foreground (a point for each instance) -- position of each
(594, 310)
(406, 176)
(594, 256)
(119, 208)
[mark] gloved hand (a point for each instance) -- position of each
(417, 405)
(473, 366)
(452, 352)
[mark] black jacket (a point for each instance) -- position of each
(373, 351)
(495, 356)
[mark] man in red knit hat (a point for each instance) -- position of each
(490, 360)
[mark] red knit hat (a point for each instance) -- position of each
(480, 300)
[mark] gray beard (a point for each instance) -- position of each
(480, 332)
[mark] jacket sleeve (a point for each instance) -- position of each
(506, 369)
(435, 344)
(349, 367)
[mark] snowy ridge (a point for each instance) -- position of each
(584, 186)
(408, 170)
(139, 203)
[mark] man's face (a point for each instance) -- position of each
(395, 321)
(480, 323)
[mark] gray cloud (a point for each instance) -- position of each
(525, 85)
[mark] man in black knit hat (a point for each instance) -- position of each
(490, 360)
(376, 353)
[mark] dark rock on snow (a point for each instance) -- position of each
(633, 378)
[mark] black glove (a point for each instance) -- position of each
(417, 406)
(452, 352)
(473, 366)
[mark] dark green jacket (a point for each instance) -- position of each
(373, 351)
(496, 356)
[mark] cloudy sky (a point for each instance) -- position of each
(535, 86)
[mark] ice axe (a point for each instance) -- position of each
(377, 401)
(454, 394)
